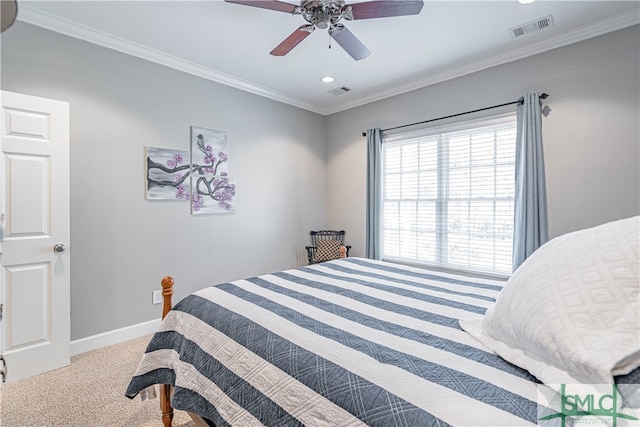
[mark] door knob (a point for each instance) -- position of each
(59, 248)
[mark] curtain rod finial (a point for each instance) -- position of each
(364, 134)
(544, 95)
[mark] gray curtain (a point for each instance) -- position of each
(374, 195)
(531, 229)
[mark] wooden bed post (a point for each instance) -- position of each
(167, 293)
(165, 389)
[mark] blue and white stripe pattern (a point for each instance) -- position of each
(350, 342)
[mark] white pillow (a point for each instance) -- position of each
(570, 314)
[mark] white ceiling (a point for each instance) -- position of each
(230, 43)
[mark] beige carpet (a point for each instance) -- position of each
(88, 393)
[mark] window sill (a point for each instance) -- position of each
(451, 270)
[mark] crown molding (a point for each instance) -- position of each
(605, 26)
(78, 31)
(47, 21)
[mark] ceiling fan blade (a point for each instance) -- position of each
(293, 40)
(8, 14)
(280, 6)
(349, 42)
(386, 8)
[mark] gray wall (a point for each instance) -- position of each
(122, 244)
(591, 137)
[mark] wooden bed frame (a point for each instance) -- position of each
(165, 389)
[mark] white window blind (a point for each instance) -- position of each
(448, 196)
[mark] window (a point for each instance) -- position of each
(447, 196)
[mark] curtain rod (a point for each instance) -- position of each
(520, 101)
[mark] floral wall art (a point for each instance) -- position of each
(199, 175)
(212, 194)
(212, 190)
(209, 150)
(167, 174)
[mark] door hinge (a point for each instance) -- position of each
(3, 371)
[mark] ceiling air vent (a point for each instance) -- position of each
(339, 90)
(531, 27)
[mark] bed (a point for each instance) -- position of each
(349, 342)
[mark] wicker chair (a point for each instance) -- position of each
(325, 245)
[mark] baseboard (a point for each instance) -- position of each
(114, 337)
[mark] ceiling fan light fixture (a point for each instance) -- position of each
(322, 20)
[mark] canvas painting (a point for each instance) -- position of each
(209, 151)
(212, 194)
(167, 174)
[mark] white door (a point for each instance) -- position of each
(34, 214)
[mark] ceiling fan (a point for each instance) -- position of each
(325, 14)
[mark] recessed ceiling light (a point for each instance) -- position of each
(526, 1)
(328, 79)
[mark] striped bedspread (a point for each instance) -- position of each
(350, 342)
